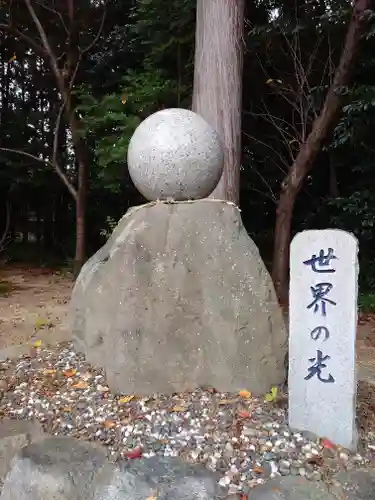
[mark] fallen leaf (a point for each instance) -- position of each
(245, 394)
(67, 409)
(108, 424)
(224, 402)
(70, 373)
(80, 385)
(154, 496)
(178, 409)
(271, 396)
(86, 376)
(136, 453)
(243, 496)
(125, 399)
(102, 388)
(41, 323)
(209, 389)
(326, 443)
(315, 461)
(258, 470)
(244, 414)
(37, 343)
(48, 371)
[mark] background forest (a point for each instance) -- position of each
(78, 77)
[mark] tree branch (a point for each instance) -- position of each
(54, 11)
(94, 42)
(55, 166)
(47, 48)
(33, 44)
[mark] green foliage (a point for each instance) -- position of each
(110, 225)
(366, 302)
(110, 120)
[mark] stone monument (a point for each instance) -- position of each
(179, 296)
(322, 334)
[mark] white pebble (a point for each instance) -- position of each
(224, 481)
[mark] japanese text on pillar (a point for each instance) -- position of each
(321, 264)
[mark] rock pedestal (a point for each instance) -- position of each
(178, 298)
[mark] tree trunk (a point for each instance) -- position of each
(309, 150)
(217, 95)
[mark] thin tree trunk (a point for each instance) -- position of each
(65, 79)
(333, 182)
(80, 253)
(217, 95)
(310, 149)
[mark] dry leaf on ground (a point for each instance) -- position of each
(245, 394)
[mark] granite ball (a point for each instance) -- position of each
(175, 154)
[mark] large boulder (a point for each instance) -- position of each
(177, 298)
(14, 435)
(57, 468)
(68, 469)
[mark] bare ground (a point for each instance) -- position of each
(36, 308)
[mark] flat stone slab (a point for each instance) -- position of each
(69, 469)
(354, 485)
(358, 484)
(291, 488)
(14, 435)
(56, 469)
(162, 478)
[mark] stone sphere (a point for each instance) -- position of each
(175, 154)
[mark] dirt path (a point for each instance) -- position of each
(36, 308)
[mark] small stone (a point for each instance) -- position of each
(269, 455)
(316, 475)
(285, 464)
(294, 471)
(250, 432)
(233, 490)
(309, 435)
(343, 456)
(329, 453)
(228, 450)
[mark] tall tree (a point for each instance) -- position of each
(321, 127)
(217, 94)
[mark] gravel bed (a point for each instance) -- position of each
(245, 439)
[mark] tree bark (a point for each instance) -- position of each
(309, 150)
(217, 94)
